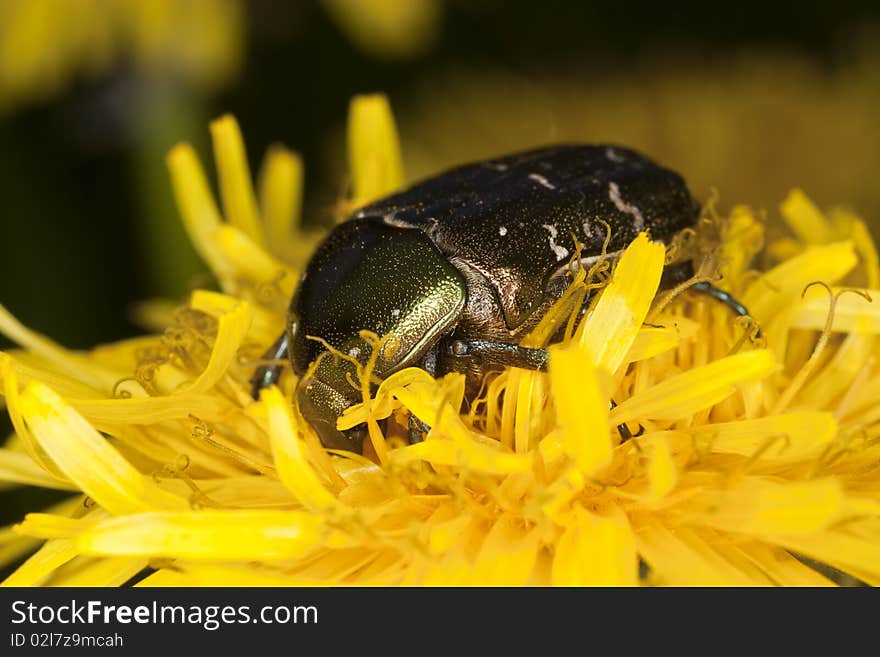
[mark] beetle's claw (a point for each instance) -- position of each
(626, 434)
(623, 430)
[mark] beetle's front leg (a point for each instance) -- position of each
(417, 430)
(267, 375)
(704, 287)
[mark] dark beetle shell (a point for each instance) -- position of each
(512, 218)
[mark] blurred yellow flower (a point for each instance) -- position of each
(388, 28)
(45, 44)
(758, 461)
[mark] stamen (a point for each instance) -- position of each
(801, 377)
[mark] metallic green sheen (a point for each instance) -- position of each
(374, 277)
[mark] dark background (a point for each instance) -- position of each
(81, 169)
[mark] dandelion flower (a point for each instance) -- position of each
(758, 462)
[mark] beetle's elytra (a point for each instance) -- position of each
(461, 266)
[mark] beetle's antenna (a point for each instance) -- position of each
(602, 264)
(271, 366)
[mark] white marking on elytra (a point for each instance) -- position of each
(560, 251)
(613, 155)
(502, 230)
(541, 180)
(354, 352)
(623, 206)
(395, 313)
(496, 166)
(588, 229)
(392, 220)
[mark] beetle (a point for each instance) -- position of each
(460, 267)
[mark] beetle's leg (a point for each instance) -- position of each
(718, 294)
(417, 430)
(512, 355)
(267, 375)
(623, 430)
(501, 353)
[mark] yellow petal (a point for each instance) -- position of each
(207, 535)
(528, 410)
(507, 555)
(242, 255)
(281, 193)
(14, 546)
(289, 454)
(610, 330)
(150, 410)
(434, 402)
(785, 282)
(581, 408)
(780, 437)
(743, 238)
(43, 563)
(373, 149)
(841, 548)
(444, 535)
(650, 342)
(196, 204)
(466, 454)
(759, 506)
(696, 389)
(29, 366)
(22, 433)
(426, 398)
(231, 330)
(845, 368)
(236, 188)
(89, 571)
(783, 568)
(852, 313)
(222, 575)
(50, 525)
(685, 557)
(805, 219)
(595, 551)
(861, 236)
(87, 459)
(662, 474)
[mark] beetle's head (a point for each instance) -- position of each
(327, 389)
(367, 276)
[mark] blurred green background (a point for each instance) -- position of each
(748, 98)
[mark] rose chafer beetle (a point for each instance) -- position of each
(460, 267)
